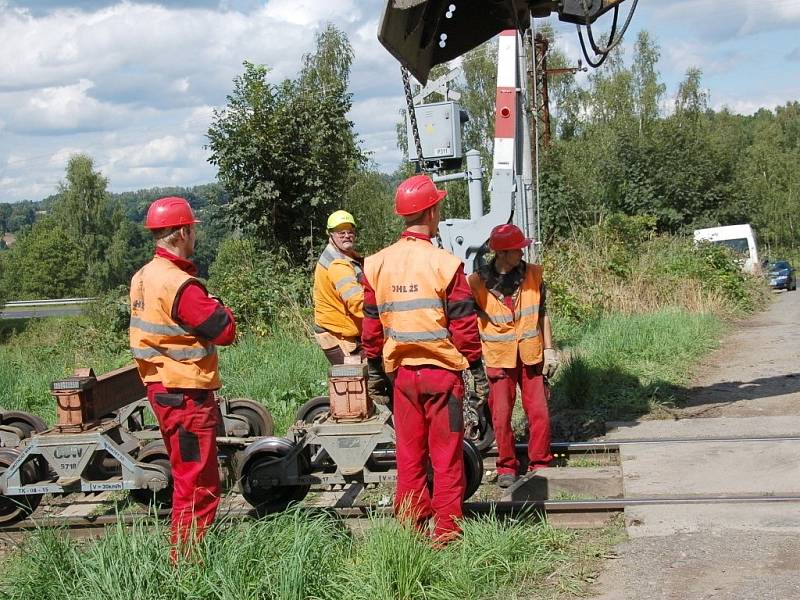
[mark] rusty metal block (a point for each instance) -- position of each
(347, 385)
(84, 399)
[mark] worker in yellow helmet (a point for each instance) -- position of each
(338, 292)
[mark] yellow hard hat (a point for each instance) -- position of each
(340, 217)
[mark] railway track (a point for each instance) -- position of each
(567, 513)
(98, 513)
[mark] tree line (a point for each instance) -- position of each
(287, 155)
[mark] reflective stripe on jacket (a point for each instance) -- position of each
(164, 351)
(506, 333)
(338, 294)
(410, 279)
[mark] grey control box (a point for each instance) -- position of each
(439, 127)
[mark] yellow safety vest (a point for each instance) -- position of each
(164, 350)
(506, 333)
(338, 295)
(410, 279)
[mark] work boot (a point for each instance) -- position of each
(505, 480)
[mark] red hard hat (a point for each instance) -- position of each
(169, 212)
(508, 237)
(416, 194)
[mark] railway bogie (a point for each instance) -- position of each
(106, 439)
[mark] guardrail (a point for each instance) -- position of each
(27, 309)
(35, 303)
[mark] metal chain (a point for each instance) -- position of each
(413, 117)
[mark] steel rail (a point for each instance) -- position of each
(518, 507)
(614, 445)
(388, 454)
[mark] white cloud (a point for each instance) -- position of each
(747, 106)
(64, 109)
(135, 84)
(61, 156)
(309, 12)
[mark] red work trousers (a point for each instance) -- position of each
(188, 420)
(502, 396)
(429, 427)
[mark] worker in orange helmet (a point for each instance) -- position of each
(517, 347)
(420, 329)
(338, 294)
(174, 330)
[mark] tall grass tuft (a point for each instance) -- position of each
(622, 265)
(293, 556)
(625, 366)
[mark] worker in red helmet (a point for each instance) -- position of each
(174, 330)
(420, 329)
(517, 347)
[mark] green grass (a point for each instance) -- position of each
(621, 366)
(279, 371)
(43, 350)
(626, 366)
(298, 555)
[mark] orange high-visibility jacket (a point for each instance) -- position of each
(506, 333)
(165, 351)
(338, 295)
(410, 279)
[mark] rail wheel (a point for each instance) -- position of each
(312, 409)
(263, 470)
(16, 508)
(27, 423)
(473, 470)
(155, 453)
(258, 416)
(478, 426)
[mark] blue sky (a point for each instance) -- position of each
(133, 84)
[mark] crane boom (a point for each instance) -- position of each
(424, 33)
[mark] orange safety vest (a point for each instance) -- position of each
(164, 350)
(338, 295)
(506, 333)
(410, 279)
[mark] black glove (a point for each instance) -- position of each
(378, 385)
(480, 381)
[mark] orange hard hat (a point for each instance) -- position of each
(415, 194)
(508, 237)
(169, 212)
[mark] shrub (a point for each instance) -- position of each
(622, 266)
(261, 288)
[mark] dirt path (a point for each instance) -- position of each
(756, 372)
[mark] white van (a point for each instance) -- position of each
(739, 238)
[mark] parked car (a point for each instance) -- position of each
(781, 276)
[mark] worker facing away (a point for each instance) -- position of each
(420, 329)
(174, 330)
(338, 293)
(517, 347)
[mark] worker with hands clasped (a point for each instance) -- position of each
(517, 347)
(174, 330)
(338, 293)
(420, 329)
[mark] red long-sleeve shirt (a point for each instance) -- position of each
(461, 320)
(198, 312)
